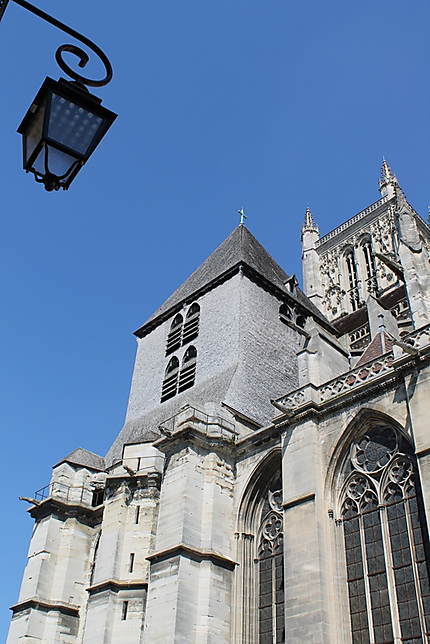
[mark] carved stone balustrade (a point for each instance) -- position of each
(356, 378)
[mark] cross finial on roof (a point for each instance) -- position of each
(241, 212)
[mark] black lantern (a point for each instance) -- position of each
(60, 131)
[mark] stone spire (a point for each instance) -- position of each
(310, 259)
(388, 181)
(309, 223)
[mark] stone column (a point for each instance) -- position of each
(118, 587)
(189, 598)
(305, 619)
(53, 588)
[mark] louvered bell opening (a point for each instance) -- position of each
(173, 341)
(174, 337)
(187, 375)
(169, 387)
(170, 382)
(191, 328)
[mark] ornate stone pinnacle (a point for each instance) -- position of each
(386, 173)
(387, 181)
(309, 223)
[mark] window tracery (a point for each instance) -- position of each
(271, 569)
(386, 541)
(351, 270)
(369, 265)
(292, 316)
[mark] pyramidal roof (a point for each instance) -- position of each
(239, 249)
(83, 457)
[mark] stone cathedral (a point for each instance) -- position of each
(271, 483)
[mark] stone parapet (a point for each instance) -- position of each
(414, 345)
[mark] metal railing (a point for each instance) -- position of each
(66, 493)
(211, 425)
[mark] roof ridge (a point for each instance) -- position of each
(240, 247)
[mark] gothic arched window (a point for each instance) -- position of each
(258, 615)
(187, 375)
(369, 264)
(271, 624)
(351, 271)
(170, 382)
(175, 333)
(386, 541)
(191, 325)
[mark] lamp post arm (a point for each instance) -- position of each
(73, 49)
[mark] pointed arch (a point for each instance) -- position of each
(170, 383)
(366, 418)
(191, 325)
(259, 582)
(352, 277)
(369, 266)
(175, 334)
(384, 531)
(187, 375)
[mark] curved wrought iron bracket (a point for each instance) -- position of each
(73, 49)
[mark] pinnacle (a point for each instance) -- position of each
(386, 173)
(309, 223)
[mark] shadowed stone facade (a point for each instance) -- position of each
(280, 490)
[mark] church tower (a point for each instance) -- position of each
(209, 362)
(271, 482)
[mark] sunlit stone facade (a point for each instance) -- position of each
(271, 482)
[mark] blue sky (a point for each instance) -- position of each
(269, 106)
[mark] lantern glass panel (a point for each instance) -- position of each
(71, 125)
(57, 162)
(35, 132)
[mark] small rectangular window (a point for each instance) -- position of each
(136, 519)
(131, 566)
(98, 498)
(124, 610)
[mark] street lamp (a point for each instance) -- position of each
(60, 131)
(65, 122)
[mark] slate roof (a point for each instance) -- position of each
(83, 457)
(240, 248)
(146, 427)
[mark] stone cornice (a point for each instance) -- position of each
(115, 585)
(304, 498)
(190, 552)
(189, 434)
(374, 207)
(53, 505)
(46, 605)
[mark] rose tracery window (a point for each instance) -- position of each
(386, 542)
(271, 569)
